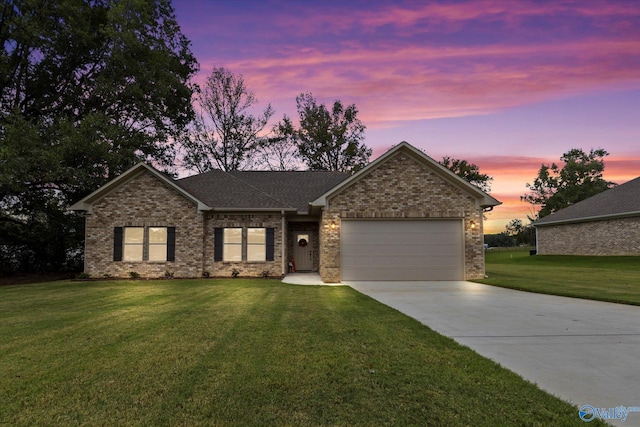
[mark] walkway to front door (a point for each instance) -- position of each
(306, 279)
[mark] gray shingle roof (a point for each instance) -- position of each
(260, 189)
(623, 200)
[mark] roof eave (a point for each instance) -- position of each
(489, 201)
(589, 219)
(229, 209)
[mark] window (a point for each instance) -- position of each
(137, 244)
(256, 244)
(232, 244)
(133, 243)
(158, 244)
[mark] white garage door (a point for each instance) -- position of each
(402, 250)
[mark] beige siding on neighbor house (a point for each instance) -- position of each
(401, 187)
(144, 201)
(607, 237)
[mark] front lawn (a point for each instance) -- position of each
(242, 353)
(604, 278)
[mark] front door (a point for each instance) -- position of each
(302, 252)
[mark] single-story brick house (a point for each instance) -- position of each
(605, 224)
(402, 217)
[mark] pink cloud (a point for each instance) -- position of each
(410, 73)
(421, 82)
(440, 16)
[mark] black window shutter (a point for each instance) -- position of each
(217, 244)
(271, 234)
(171, 243)
(117, 243)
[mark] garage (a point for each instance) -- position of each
(402, 250)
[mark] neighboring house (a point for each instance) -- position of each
(403, 217)
(605, 224)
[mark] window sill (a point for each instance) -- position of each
(243, 262)
(146, 262)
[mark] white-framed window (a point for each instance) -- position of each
(158, 244)
(133, 244)
(232, 246)
(256, 244)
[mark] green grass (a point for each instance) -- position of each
(242, 353)
(603, 278)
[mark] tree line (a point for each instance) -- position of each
(90, 88)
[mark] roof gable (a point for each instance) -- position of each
(620, 201)
(86, 203)
(485, 199)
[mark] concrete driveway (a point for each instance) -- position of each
(585, 352)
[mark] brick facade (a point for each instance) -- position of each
(607, 237)
(404, 184)
(402, 187)
(144, 201)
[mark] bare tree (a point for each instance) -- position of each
(280, 152)
(225, 134)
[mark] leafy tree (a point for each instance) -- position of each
(330, 140)
(225, 134)
(524, 234)
(469, 172)
(557, 187)
(514, 227)
(87, 89)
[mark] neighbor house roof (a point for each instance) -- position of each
(250, 190)
(618, 202)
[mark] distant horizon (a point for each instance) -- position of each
(505, 85)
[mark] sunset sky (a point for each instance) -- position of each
(507, 85)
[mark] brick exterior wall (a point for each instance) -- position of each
(144, 201)
(244, 221)
(607, 237)
(402, 187)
